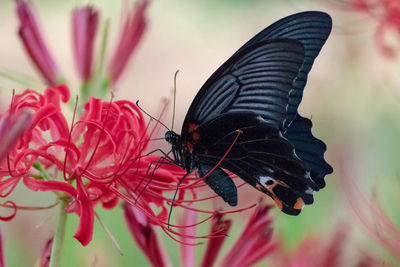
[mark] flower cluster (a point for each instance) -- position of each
(99, 155)
(253, 245)
(387, 13)
(371, 215)
(89, 162)
(85, 26)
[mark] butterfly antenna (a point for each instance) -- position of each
(173, 199)
(137, 104)
(173, 111)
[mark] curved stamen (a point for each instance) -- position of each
(69, 140)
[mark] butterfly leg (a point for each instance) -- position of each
(173, 199)
(157, 163)
(165, 155)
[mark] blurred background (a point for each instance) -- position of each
(352, 95)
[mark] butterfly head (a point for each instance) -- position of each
(173, 138)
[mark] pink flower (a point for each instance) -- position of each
(253, 244)
(372, 216)
(387, 13)
(23, 156)
(85, 22)
(12, 127)
(34, 44)
(131, 33)
(255, 241)
(145, 235)
(323, 250)
(317, 251)
(220, 228)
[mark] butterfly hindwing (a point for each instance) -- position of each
(261, 156)
(308, 148)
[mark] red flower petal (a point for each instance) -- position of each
(12, 127)
(130, 36)
(220, 228)
(41, 185)
(144, 234)
(34, 44)
(255, 241)
(84, 28)
(84, 234)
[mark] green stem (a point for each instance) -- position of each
(42, 171)
(103, 48)
(56, 250)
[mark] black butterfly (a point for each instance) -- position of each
(253, 98)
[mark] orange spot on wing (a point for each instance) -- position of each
(278, 202)
(192, 127)
(299, 204)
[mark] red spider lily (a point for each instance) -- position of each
(85, 23)
(100, 154)
(255, 241)
(34, 44)
(145, 235)
(221, 227)
(84, 28)
(371, 215)
(322, 250)
(253, 245)
(131, 33)
(316, 251)
(12, 127)
(387, 13)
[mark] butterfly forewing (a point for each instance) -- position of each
(258, 80)
(310, 28)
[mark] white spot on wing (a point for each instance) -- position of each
(264, 179)
(309, 191)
